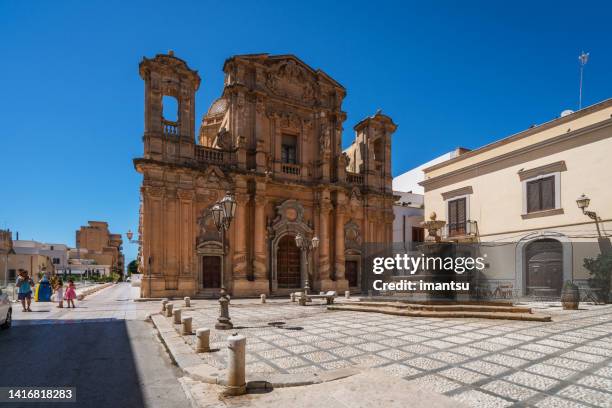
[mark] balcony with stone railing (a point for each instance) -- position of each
(171, 129)
(354, 178)
(292, 169)
(207, 155)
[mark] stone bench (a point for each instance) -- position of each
(329, 296)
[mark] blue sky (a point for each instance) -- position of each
(450, 75)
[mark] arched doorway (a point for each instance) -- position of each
(288, 263)
(544, 266)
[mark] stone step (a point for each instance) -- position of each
(533, 317)
(450, 307)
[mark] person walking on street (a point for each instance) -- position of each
(25, 283)
(70, 294)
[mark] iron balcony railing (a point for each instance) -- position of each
(460, 229)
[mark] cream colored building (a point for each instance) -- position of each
(518, 196)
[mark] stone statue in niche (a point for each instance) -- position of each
(325, 138)
(224, 140)
(346, 160)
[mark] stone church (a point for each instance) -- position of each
(272, 139)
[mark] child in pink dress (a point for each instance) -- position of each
(70, 294)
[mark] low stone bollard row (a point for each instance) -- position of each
(187, 301)
(263, 298)
(163, 305)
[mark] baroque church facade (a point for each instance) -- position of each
(272, 139)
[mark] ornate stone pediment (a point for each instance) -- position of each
(213, 176)
(290, 121)
(290, 217)
(290, 80)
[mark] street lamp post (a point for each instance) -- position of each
(306, 246)
(223, 213)
(583, 203)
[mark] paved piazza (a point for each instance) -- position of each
(483, 363)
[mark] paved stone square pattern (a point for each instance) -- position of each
(483, 363)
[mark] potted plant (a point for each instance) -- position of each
(570, 296)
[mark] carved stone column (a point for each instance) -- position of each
(259, 262)
(187, 278)
(153, 284)
(240, 236)
(341, 282)
(260, 285)
(324, 264)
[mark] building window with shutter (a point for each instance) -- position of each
(289, 149)
(457, 217)
(541, 194)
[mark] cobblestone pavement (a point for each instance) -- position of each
(484, 363)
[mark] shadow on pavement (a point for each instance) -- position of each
(95, 356)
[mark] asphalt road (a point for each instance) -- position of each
(111, 362)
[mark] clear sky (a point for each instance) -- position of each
(449, 75)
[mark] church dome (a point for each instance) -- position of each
(218, 107)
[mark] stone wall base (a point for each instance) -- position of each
(244, 287)
(155, 287)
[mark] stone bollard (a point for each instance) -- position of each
(347, 294)
(163, 305)
(321, 293)
(263, 298)
(292, 296)
(177, 316)
(187, 301)
(203, 340)
(169, 309)
(186, 325)
(236, 365)
(303, 299)
(224, 322)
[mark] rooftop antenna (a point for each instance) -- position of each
(584, 58)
